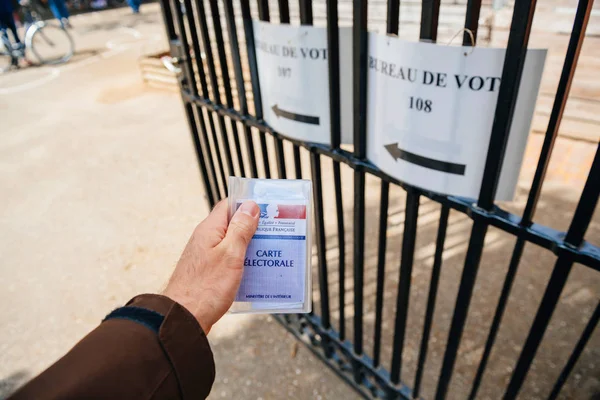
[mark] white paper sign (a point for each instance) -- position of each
(294, 80)
(430, 110)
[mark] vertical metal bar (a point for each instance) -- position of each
(558, 279)
(408, 251)
(358, 257)
(188, 71)
(585, 336)
(213, 131)
(196, 47)
(306, 18)
(507, 98)
(263, 10)
(297, 162)
(514, 60)
(263, 15)
(217, 153)
(214, 82)
(279, 152)
(430, 13)
(433, 287)
(467, 281)
(284, 11)
(339, 207)
(239, 78)
(393, 16)
(191, 83)
(360, 90)
(381, 248)
(210, 161)
(359, 95)
(200, 154)
(472, 21)
(580, 23)
(205, 150)
(429, 24)
(560, 100)
(204, 87)
(502, 301)
(218, 31)
(265, 154)
(306, 12)
(333, 60)
(360, 44)
(587, 204)
(170, 28)
(251, 51)
(168, 19)
(320, 231)
(200, 111)
(555, 286)
(280, 156)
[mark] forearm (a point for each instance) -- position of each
(158, 352)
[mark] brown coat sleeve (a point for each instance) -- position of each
(124, 359)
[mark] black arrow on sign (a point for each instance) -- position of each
(307, 119)
(443, 166)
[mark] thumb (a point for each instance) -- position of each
(241, 228)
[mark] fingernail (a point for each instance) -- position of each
(249, 208)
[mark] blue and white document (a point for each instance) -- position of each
(274, 266)
(277, 263)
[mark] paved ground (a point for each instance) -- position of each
(100, 192)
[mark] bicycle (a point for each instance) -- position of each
(49, 43)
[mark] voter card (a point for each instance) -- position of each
(274, 266)
(277, 263)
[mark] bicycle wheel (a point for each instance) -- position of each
(50, 44)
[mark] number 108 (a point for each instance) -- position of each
(419, 104)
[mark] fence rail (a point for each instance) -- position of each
(231, 138)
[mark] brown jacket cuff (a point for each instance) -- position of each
(184, 343)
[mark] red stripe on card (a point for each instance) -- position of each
(291, 211)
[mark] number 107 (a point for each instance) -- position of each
(419, 104)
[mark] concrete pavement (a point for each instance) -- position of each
(100, 191)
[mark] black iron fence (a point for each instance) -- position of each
(231, 138)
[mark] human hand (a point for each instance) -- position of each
(210, 269)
